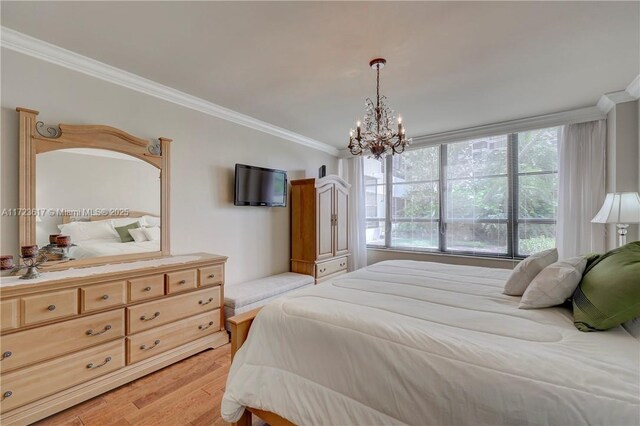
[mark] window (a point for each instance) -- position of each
(488, 196)
(374, 186)
(415, 204)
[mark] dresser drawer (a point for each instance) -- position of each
(31, 346)
(103, 296)
(152, 314)
(331, 267)
(146, 288)
(212, 275)
(49, 306)
(9, 314)
(31, 383)
(160, 339)
(181, 281)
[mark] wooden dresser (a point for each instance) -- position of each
(65, 340)
(320, 227)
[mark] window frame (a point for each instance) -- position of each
(512, 220)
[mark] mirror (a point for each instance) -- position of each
(91, 195)
(105, 191)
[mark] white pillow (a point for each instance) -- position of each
(152, 233)
(555, 284)
(151, 220)
(138, 235)
(83, 231)
(633, 327)
(126, 221)
(527, 270)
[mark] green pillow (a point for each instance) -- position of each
(609, 293)
(123, 231)
(591, 260)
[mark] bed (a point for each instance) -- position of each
(97, 236)
(405, 342)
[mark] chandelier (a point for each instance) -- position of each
(382, 133)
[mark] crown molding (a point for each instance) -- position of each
(45, 51)
(581, 115)
(633, 88)
(630, 94)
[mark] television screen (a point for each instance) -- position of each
(257, 186)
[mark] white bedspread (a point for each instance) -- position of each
(430, 344)
(111, 247)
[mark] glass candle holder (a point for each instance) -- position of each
(6, 263)
(29, 252)
(63, 240)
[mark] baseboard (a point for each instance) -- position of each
(69, 397)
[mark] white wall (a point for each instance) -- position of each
(204, 151)
(623, 151)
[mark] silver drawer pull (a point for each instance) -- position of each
(204, 327)
(105, 297)
(144, 317)
(322, 270)
(7, 394)
(182, 282)
(51, 307)
(106, 328)
(146, 348)
(7, 354)
(212, 276)
(146, 289)
(92, 365)
(207, 302)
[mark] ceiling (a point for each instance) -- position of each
(304, 66)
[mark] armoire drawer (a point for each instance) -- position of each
(49, 306)
(213, 275)
(181, 281)
(103, 296)
(31, 346)
(32, 383)
(146, 288)
(9, 314)
(331, 267)
(152, 314)
(157, 340)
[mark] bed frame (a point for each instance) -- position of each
(68, 218)
(240, 325)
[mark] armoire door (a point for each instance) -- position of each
(324, 209)
(341, 227)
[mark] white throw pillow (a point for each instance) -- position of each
(527, 270)
(555, 284)
(151, 220)
(152, 233)
(633, 327)
(116, 223)
(138, 235)
(83, 231)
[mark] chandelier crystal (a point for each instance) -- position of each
(382, 133)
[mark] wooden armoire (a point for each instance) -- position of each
(320, 227)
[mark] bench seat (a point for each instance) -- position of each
(243, 297)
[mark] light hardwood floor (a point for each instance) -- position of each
(186, 393)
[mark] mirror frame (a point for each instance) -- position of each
(34, 141)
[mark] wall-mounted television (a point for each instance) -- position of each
(258, 186)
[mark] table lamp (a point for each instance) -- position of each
(621, 208)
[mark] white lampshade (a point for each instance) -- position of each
(619, 207)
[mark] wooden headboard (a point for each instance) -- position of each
(68, 218)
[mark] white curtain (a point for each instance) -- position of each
(581, 188)
(351, 170)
